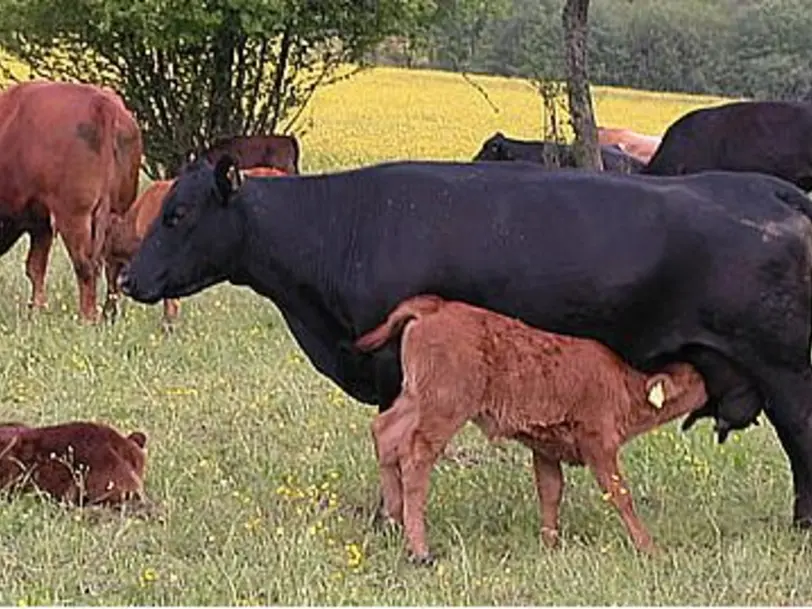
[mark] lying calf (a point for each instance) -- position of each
(79, 462)
(568, 399)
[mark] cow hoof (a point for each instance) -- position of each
(803, 523)
(110, 312)
(34, 305)
(549, 537)
(422, 560)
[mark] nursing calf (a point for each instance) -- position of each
(79, 462)
(568, 399)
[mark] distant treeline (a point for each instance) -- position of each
(751, 48)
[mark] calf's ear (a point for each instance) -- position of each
(227, 177)
(139, 438)
(659, 389)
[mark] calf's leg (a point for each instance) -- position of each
(549, 486)
(112, 270)
(389, 430)
(604, 464)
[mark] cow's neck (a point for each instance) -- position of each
(294, 254)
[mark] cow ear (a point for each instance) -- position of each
(659, 389)
(227, 176)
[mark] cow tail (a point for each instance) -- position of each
(105, 120)
(413, 308)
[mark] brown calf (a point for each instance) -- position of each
(80, 463)
(568, 399)
(642, 147)
(69, 156)
(127, 232)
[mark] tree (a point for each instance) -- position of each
(585, 147)
(195, 71)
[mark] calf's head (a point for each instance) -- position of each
(678, 387)
(196, 240)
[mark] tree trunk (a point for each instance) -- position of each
(221, 108)
(585, 147)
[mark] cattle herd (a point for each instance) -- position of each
(567, 309)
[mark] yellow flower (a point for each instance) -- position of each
(355, 555)
(148, 576)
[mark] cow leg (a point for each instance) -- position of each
(604, 465)
(549, 486)
(171, 307)
(112, 270)
(77, 235)
(10, 233)
(36, 265)
(789, 409)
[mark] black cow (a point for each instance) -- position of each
(772, 137)
(652, 267)
(551, 155)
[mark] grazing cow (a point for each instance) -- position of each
(566, 398)
(278, 151)
(127, 232)
(770, 137)
(641, 147)
(655, 268)
(70, 155)
(79, 462)
(551, 155)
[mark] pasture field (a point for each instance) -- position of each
(265, 470)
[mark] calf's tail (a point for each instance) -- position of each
(411, 308)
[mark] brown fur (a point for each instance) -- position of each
(70, 158)
(278, 151)
(79, 462)
(568, 399)
(642, 147)
(127, 232)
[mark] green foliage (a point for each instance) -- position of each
(193, 71)
(753, 48)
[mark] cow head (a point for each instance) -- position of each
(494, 149)
(196, 240)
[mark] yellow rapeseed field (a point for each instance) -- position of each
(394, 113)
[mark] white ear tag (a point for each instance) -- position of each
(656, 396)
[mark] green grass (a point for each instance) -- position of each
(267, 477)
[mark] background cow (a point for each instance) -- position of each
(770, 137)
(641, 147)
(127, 232)
(276, 151)
(551, 154)
(69, 155)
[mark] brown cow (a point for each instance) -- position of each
(279, 151)
(79, 462)
(70, 154)
(642, 147)
(127, 232)
(566, 398)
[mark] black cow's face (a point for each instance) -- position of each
(494, 150)
(196, 240)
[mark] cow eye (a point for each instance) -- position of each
(175, 216)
